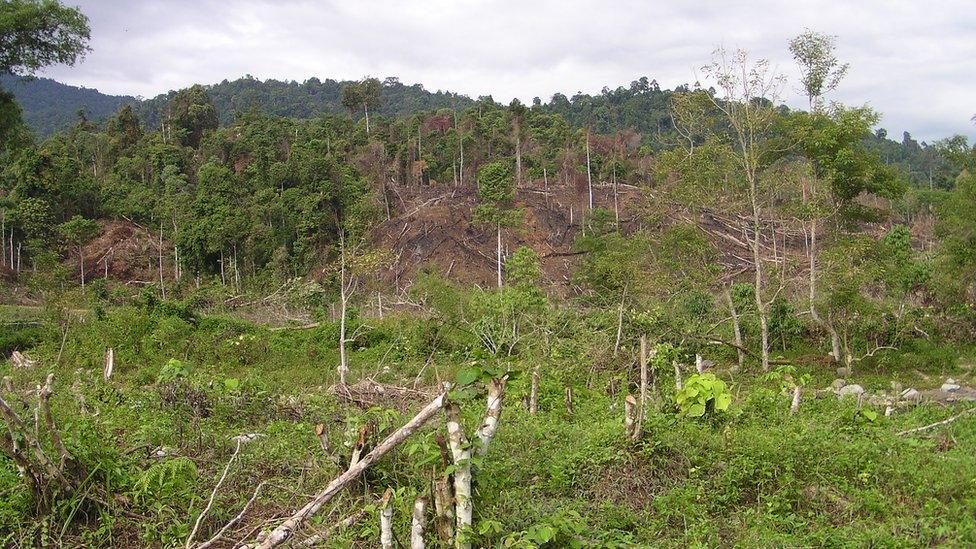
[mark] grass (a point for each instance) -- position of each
(157, 441)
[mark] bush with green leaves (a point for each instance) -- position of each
(703, 394)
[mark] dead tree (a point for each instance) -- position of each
(461, 454)
(386, 520)
(417, 524)
(284, 531)
(47, 477)
(630, 415)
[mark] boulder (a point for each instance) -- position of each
(950, 386)
(911, 394)
(844, 371)
(838, 384)
(851, 390)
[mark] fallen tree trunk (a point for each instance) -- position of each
(285, 530)
(937, 423)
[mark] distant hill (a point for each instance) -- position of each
(307, 99)
(49, 106)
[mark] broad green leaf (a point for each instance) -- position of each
(467, 375)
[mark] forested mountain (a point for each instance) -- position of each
(49, 106)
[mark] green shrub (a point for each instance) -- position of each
(703, 394)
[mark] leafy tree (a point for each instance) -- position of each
(821, 72)
(189, 115)
(497, 192)
(738, 121)
(956, 227)
(38, 33)
(364, 94)
(78, 231)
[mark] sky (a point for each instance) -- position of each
(913, 61)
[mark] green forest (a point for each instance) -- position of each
(362, 314)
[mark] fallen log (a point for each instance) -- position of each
(286, 529)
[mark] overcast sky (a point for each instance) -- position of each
(914, 61)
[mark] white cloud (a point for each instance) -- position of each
(912, 61)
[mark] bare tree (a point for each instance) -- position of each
(746, 100)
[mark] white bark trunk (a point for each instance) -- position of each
(677, 375)
(795, 406)
(736, 328)
(498, 229)
(417, 524)
(496, 395)
(461, 454)
(343, 369)
(644, 359)
(620, 323)
(162, 283)
(386, 520)
(589, 176)
(630, 416)
(109, 365)
(534, 393)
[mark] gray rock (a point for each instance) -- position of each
(910, 394)
(950, 386)
(851, 390)
(896, 387)
(844, 371)
(838, 383)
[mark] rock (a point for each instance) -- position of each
(838, 384)
(910, 394)
(844, 371)
(950, 386)
(163, 452)
(896, 387)
(21, 361)
(851, 390)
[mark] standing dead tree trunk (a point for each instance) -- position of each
(461, 454)
(347, 286)
(417, 523)
(44, 476)
(736, 329)
(496, 393)
(630, 416)
(589, 175)
(642, 410)
(534, 393)
(286, 529)
(386, 520)
(795, 405)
